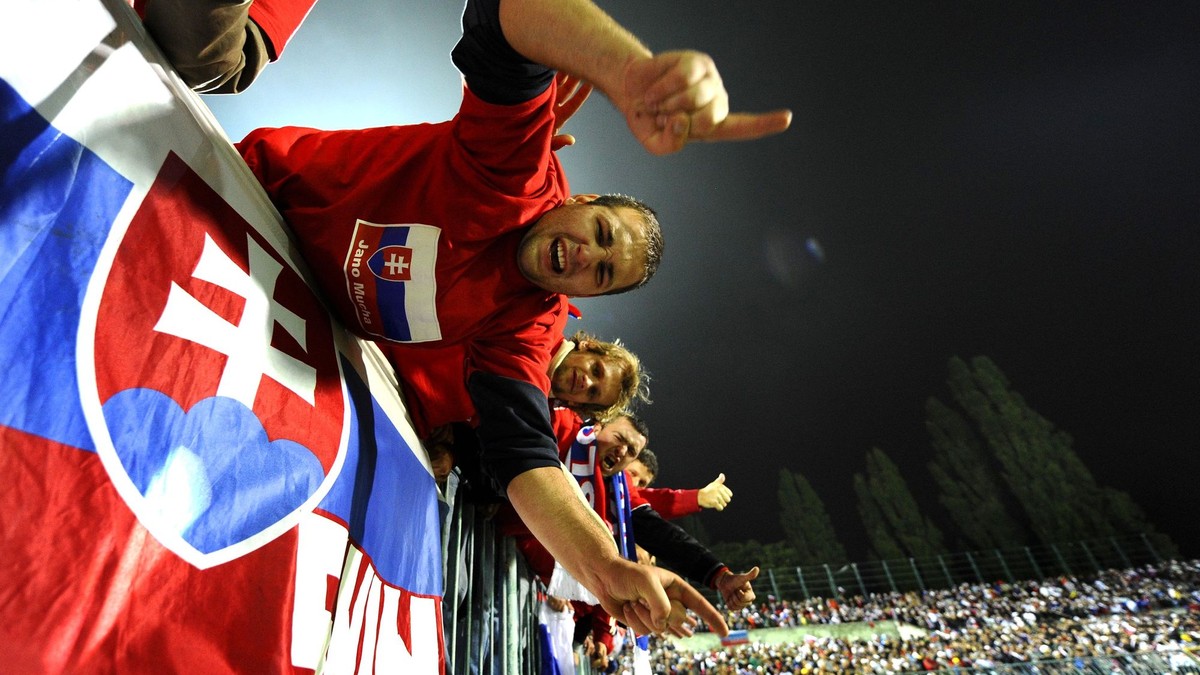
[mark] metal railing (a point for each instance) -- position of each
(489, 607)
(1079, 558)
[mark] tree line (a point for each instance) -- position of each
(1006, 476)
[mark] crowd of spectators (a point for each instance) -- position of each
(1064, 619)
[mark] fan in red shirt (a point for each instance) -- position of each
(454, 246)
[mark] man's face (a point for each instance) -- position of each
(587, 378)
(617, 444)
(579, 249)
(638, 474)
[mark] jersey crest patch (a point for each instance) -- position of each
(391, 280)
(392, 263)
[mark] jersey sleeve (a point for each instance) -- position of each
(494, 71)
(514, 427)
(672, 504)
(269, 154)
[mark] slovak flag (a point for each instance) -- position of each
(202, 471)
(393, 266)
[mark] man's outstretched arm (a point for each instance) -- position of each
(673, 546)
(647, 599)
(668, 99)
(521, 456)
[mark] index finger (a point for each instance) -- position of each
(748, 126)
(692, 599)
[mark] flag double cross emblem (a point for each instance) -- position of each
(392, 263)
(238, 426)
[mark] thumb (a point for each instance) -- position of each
(560, 141)
(720, 479)
(752, 574)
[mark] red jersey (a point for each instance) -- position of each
(668, 503)
(566, 424)
(279, 20)
(412, 234)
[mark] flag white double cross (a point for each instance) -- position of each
(396, 265)
(247, 344)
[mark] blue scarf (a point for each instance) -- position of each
(623, 525)
(581, 462)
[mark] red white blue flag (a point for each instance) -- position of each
(393, 266)
(202, 472)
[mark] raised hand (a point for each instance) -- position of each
(715, 495)
(676, 97)
(735, 589)
(571, 94)
(655, 600)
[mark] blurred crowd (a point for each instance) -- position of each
(1067, 619)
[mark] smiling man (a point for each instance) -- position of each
(589, 378)
(595, 378)
(454, 246)
(592, 245)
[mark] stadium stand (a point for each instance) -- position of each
(1134, 620)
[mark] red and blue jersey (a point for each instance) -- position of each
(412, 233)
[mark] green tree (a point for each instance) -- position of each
(1128, 518)
(915, 533)
(969, 486)
(806, 523)
(883, 544)
(742, 555)
(1059, 494)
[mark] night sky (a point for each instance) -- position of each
(1015, 180)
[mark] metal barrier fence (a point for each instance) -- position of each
(1079, 558)
(489, 608)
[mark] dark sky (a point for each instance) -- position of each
(1016, 180)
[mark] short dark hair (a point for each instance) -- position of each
(650, 461)
(638, 424)
(654, 236)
